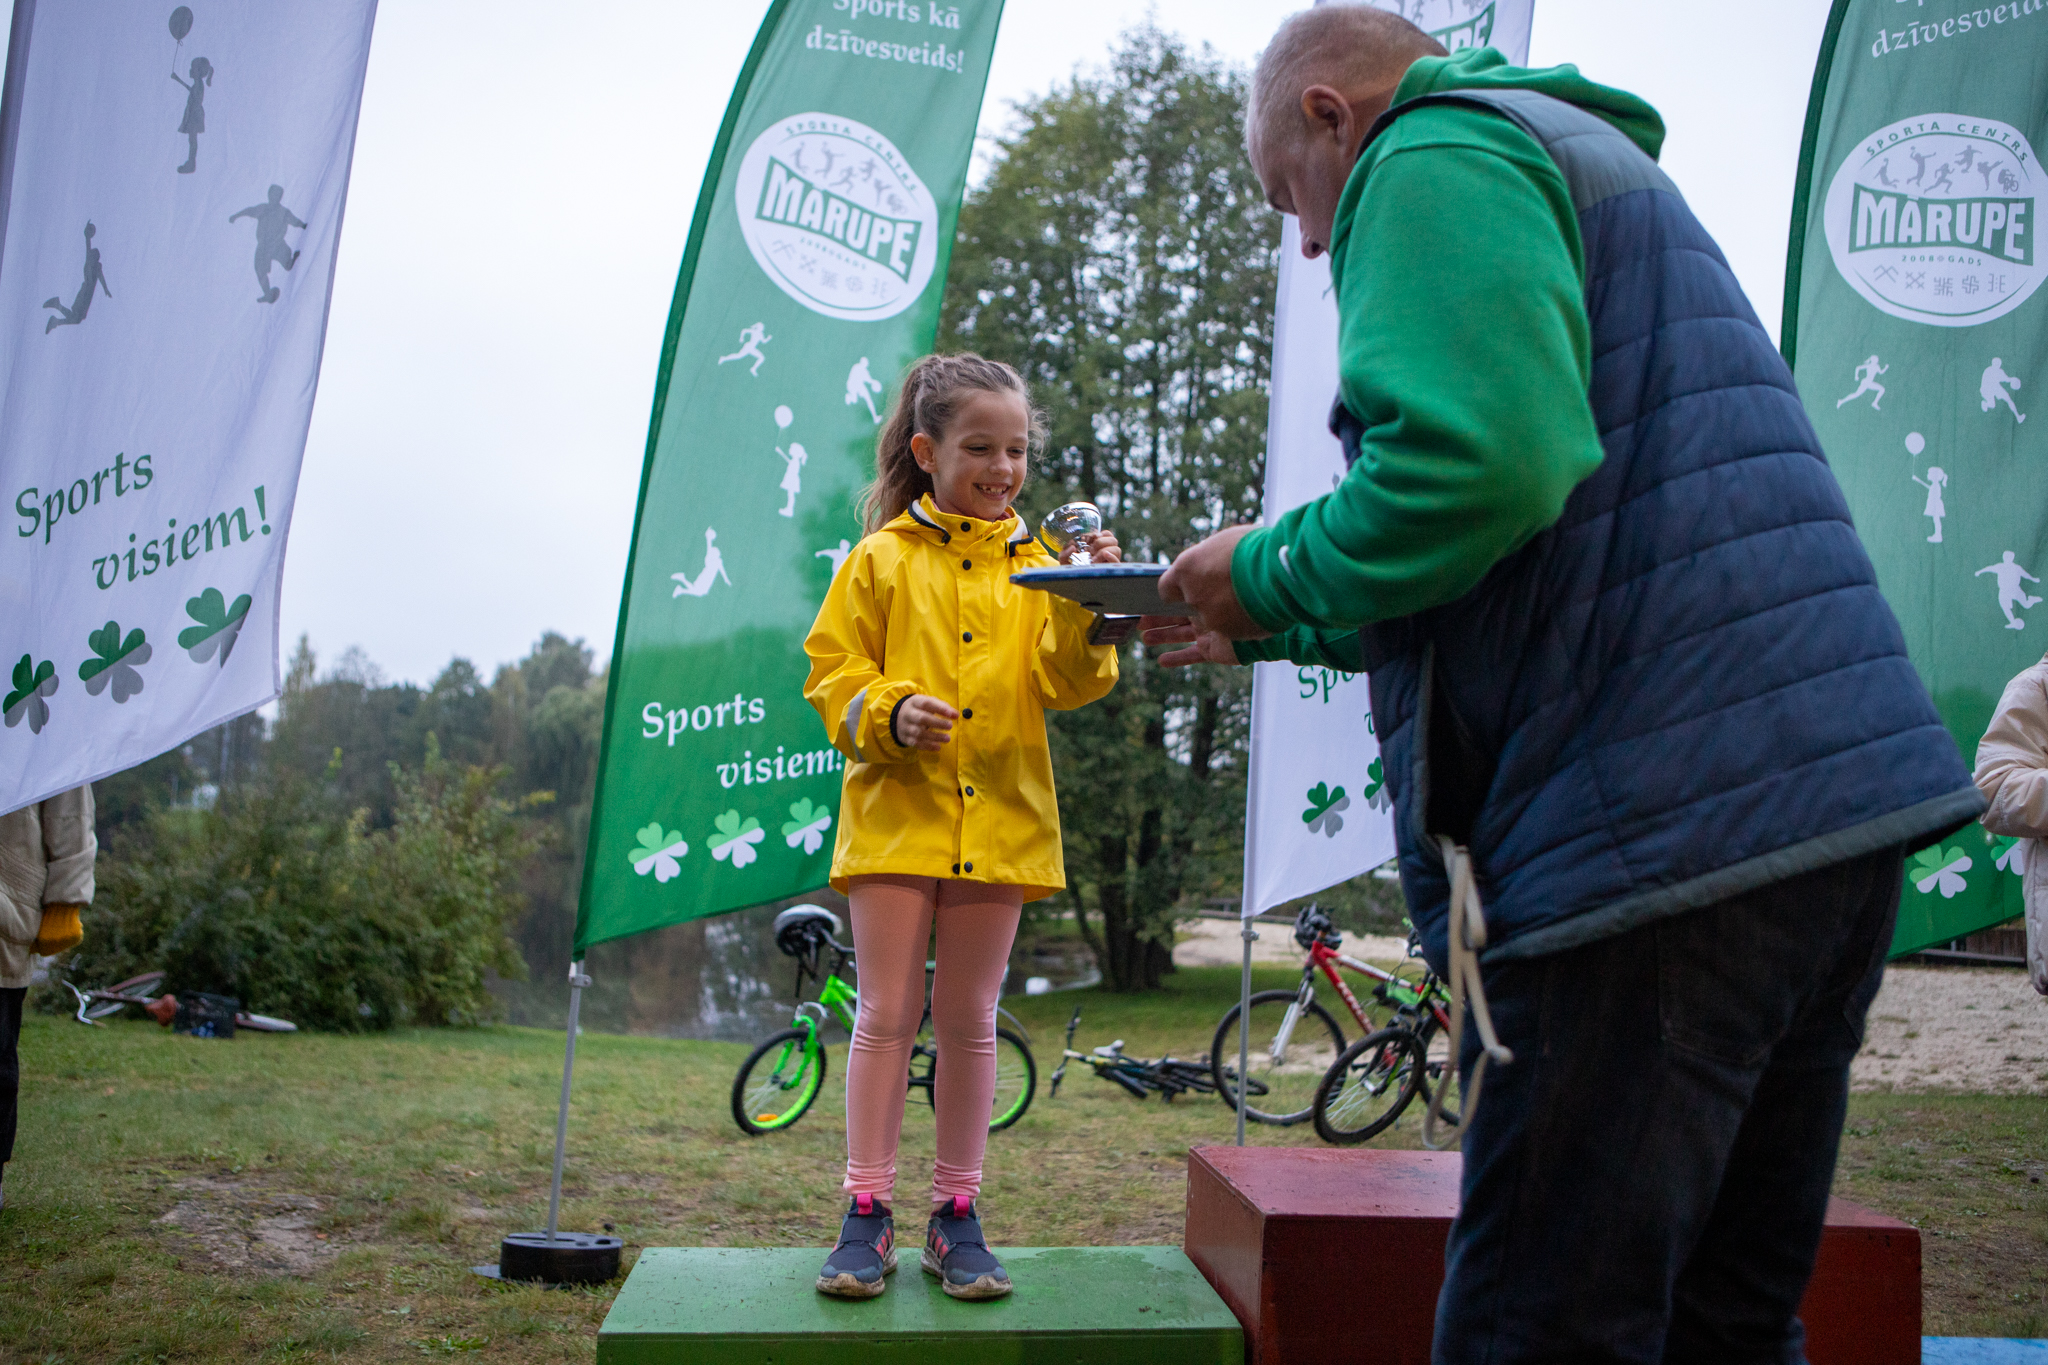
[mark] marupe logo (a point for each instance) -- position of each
(1932, 220)
(837, 218)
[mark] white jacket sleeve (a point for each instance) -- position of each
(69, 847)
(2012, 760)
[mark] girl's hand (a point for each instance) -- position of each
(1102, 547)
(924, 723)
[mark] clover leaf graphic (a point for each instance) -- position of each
(1324, 801)
(659, 852)
(1376, 787)
(218, 626)
(2012, 856)
(32, 683)
(807, 825)
(735, 840)
(1941, 869)
(114, 660)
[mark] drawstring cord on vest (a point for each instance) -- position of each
(1468, 936)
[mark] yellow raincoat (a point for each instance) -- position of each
(925, 605)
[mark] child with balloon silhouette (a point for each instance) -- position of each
(195, 111)
(201, 71)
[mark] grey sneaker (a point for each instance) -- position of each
(956, 1252)
(866, 1252)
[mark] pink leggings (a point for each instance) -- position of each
(892, 922)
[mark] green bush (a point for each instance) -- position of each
(286, 901)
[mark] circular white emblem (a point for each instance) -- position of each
(1932, 219)
(837, 217)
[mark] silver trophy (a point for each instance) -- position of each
(1062, 530)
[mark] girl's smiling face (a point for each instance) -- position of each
(979, 464)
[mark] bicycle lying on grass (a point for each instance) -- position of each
(1296, 1044)
(95, 1005)
(1169, 1075)
(784, 1073)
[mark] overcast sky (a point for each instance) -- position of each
(524, 179)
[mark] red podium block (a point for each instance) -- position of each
(1266, 1225)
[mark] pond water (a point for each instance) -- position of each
(724, 978)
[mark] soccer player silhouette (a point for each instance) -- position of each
(272, 219)
(95, 276)
(2007, 575)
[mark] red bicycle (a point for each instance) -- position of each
(1295, 1042)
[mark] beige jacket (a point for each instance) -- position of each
(2012, 772)
(46, 854)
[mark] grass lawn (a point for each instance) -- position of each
(323, 1197)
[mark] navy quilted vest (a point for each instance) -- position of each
(1689, 686)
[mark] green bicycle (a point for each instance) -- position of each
(785, 1071)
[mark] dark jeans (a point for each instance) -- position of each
(11, 999)
(1647, 1181)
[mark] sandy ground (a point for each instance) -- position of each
(1977, 1029)
(1969, 1029)
(1215, 943)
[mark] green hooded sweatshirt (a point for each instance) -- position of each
(1463, 347)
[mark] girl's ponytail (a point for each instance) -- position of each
(927, 403)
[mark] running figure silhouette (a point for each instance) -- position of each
(752, 339)
(714, 567)
(272, 218)
(195, 111)
(1866, 382)
(1994, 388)
(95, 275)
(2007, 576)
(861, 387)
(792, 477)
(1935, 481)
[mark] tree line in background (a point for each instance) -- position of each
(373, 858)
(385, 847)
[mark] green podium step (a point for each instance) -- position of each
(1072, 1306)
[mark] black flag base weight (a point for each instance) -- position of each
(555, 1257)
(570, 1258)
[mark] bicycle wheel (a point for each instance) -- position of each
(1016, 1080)
(1368, 1086)
(777, 1082)
(1436, 1045)
(1283, 1079)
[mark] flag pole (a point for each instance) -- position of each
(577, 981)
(1244, 1021)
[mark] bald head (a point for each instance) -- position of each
(1353, 49)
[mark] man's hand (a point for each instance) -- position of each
(1200, 577)
(924, 723)
(1204, 646)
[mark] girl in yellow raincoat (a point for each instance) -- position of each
(933, 673)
